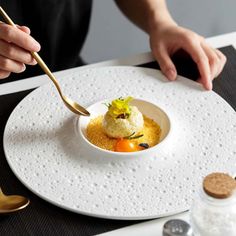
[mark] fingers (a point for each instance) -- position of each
(15, 47)
(16, 53)
(210, 61)
(24, 29)
(4, 74)
(18, 37)
(9, 65)
(216, 59)
(165, 62)
(199, 56)
(165, 43)
(213, 60)
(27, 31)
(222, 62)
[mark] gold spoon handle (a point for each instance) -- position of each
(47, 71)
(35, 55)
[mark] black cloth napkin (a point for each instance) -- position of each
(43, 218)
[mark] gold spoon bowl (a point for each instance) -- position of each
(12, 203)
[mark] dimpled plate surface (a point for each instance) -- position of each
(42, 149)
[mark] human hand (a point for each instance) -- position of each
(15, 47)
(166, 39)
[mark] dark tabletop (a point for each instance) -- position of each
(43, 218)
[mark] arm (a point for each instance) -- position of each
(166, 37)
(145, 13)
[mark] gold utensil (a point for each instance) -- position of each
(73, 106)
(12, 203)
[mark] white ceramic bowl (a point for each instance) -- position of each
(146, 108)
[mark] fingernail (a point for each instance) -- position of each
(209, 86)
(171, 74)
(33, 62)
(36, 46)
(23, 68)
(206, 84)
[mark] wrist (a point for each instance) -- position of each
(159, 19)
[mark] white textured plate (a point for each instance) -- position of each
(43, 152)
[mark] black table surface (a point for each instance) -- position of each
(43, 218)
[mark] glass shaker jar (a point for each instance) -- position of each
(213, 212)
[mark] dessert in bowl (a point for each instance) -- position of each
(124, 127)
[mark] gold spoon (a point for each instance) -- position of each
(73, 106)
(12, 203)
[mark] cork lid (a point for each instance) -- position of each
(219, 185)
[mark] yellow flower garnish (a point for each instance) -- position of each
(119, 108)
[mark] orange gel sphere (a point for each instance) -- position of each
(126, 145)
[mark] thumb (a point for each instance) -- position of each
(166, 64)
